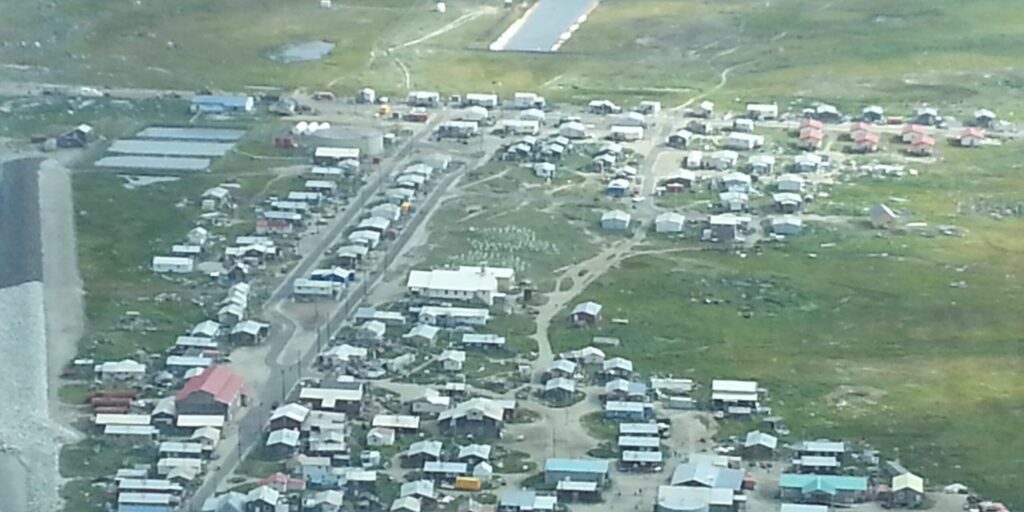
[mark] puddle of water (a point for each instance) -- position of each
(302, 52)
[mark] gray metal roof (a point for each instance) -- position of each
(170, 148)
(154, 163)
(177, 133)
(707, 475)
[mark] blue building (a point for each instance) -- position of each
(628, 411)
(822, 489)
(576, 470)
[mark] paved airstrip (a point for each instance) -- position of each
(544, 28)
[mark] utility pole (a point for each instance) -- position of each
(284, 393)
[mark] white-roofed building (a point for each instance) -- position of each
(460, 285)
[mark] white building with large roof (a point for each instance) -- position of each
(462, 285)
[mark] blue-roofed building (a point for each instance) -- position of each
(222, 103)
(628, 411)
(577, 470)
(144, 502)
(823, 489)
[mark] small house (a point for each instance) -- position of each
(126, 370)
(626, 133)
(810, 139)
(617, 187)
(742, 124)
(576, 470)
(865, 142)
(759, 445)
(631, 119)
(761, 164)
(562, 368)
(422, 334)
(380, 436)
(623, 390)
(406, 504)
(733, 201)
(787, 202)
(723, 159)
(283, 443)
(704, 109)
(419, 489)
(423, 451)
(585, 313)
(744, 141)
(736, 182)
(522, 100)
(823, 489)
(483, 341)
(481, 417)
(883, 217)
(474, 454)
(872, 114)
(827, 113)
(984, 118)
(922, 146)
(586, 356)
(289, 416)
(762, 111)
(603, 107)
(525, 501)
(423, 99)
(615, 220)
(485, 100)
(452, 360)
(573, 130)
(172, 265)
(649, 108)
(808, 162)
(215, 391)
(249, 332)
(669, 223)
(907, 490)
(617, 368)
(212, 103)
(912, 132)
(927, 116)
(559, 389)
(724, 228)
(680, 138)
(971, 137)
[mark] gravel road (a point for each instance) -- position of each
(29, 441)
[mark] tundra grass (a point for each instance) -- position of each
(908, 340)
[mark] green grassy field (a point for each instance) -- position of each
(892, 53)
(508, 221)
(867, 340)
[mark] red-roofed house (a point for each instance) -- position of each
(865, 142)
(810, 138)
(912, 131)
(859, 128)
(283, 483)
(216, 391)
(972, 137)
(922, 146)
(811, 123)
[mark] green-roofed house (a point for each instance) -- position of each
(823, 489)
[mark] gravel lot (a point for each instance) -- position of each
(29, 440)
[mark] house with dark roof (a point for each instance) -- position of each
(216, 391)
